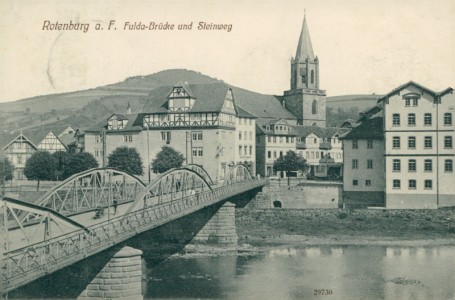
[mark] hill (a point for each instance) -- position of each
(81, 108)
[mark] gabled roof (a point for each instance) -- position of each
(134, 124)
(419, 86)
(210, 98)
(17, 137)
(242, 113)
(304, 48)
(328, 132)
(119, 116)
(369, 129)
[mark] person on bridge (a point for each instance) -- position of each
(115, 203)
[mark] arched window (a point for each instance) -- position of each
(314, 107)
(312, 76)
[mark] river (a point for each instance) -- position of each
(348, 272)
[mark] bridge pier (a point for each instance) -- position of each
(120, 278)
(220, 229)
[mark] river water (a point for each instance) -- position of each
(348, 272)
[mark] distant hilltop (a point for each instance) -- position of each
(81, 109)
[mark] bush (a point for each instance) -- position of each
(342, 215)
(451, 229)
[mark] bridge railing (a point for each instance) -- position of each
(29, 263)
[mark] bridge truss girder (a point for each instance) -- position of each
(237, 173)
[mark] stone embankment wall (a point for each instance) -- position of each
(303, 195)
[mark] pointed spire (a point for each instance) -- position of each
(304, 48)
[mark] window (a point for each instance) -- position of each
(251, 136)
(369, 144)
(428, 184)
(369, 164)
(396, 119)
(251, 150)
(240, 135)
(448, 142)
(368, 182)
(197, 151)
(411, 142)
(317, 154)
(19, 158)
(312, 76)
(396, 184)
(281, 153)
(274, 154)
(411, 119)
(166, 136)
(269, 139)
(407, 102)
(428, 142)
(240, 150)
(287, 140)
(245, 150)
(196, 135)
(448, 119)
(314, 107)
(448, 165)
(355, 163)
(274, 139)
(412, 165)
(355, 144)
(415, 101)
(269, 154)
(427, 119)
(127, 138)
(428, 165)
(412, 184)
(355, 182)
(396, 165)
(97, 138)
(396, 142)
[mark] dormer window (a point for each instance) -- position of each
(117, 122)
(411, 99)
(180, 98)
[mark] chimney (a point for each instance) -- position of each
(128, 109)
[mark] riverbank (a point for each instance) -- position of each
(335, 227)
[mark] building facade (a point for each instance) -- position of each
(419, 153)
(414, 150)
(18, 151)
(202, 122)
(305, 99)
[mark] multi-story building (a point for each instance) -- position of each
(305, 99)
(363, 180)
(322, 150)
(19, 149)
(416, 170)
(418, 134)
(273, 139)
(201, 121)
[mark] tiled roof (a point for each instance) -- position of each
(421, 87)
(134, 124)
(210, 98)
(304, 131)
(243, 113)
(369, 129)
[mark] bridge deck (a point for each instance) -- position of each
(26, 264)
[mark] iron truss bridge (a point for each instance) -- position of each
(96, 209)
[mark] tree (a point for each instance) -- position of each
(167, 159)
(61, 160)
(289, 163)
(9, 170)
(126, 159)
(79, 162)
(40, 166)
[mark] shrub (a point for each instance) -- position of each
(342, 215)
(452, 229)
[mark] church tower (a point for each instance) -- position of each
(305, 100)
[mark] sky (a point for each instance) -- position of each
(364, 47)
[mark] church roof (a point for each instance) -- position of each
(304, 48)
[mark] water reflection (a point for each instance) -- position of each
(352, 272)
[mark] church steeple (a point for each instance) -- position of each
(305, 65)
(304, 48)
(305, 99)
